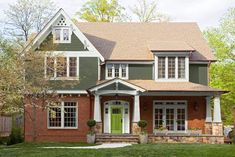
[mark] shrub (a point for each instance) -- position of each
(142, 124)
(15, 136)
(91, 123)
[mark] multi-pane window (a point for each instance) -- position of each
(63, 115)
(171, 67)
(116, 70)
(161, 67)
(181, 67)
(62, 35)
(170, 115)
(72, 66)
(61, 67)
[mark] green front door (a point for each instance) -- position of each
(116, 120)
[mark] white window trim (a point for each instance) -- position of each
(175, 107)
(113, 71)
(62, 34)
(176, 79)
(55, 72)
(62, 117)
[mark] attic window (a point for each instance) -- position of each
(62, 34)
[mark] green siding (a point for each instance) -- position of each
(88, 76)
(198, 73)
(140, 71)
(75, 45)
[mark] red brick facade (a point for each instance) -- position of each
(196, 117)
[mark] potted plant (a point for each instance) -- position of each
(91, 133)
(195, 131)
(161, 130)
(143, 137)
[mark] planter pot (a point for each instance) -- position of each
(143, 138)
(160, 132)
(195, 132)
(90, 138)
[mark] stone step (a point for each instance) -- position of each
(110, 138)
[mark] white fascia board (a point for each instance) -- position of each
(129, 62)
(72, 53)
(171, 53)
(47, 29)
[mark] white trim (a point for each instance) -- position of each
(217, 110)
(175, 107)
(178, 93)
(128, 92)
(125, 117)
(117, 80)
(47, 29)
(97, 109)
(129, 62)
(62, 116)
(72, 53)
(172, 53)
(136, 109)
(208, 109)
(113, 71)
(68, 91)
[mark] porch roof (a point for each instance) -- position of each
(152, 85)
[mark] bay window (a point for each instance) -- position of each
(116, 70)
(171, 68)
(63, 115)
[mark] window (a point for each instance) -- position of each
(171, 115)
(62, 35)
(72, 66)
(63, 115)
(181, 67)
(161, 67)
(116, 70)
(171, 67)
(61, 67)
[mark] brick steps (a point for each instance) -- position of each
(109, 138)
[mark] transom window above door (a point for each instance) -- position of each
(116, 70)
(170, 68)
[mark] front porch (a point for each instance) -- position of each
(173, 117)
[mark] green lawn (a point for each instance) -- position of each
(148, 150)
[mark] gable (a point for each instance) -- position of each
(43, 39)
(75, 45)
(118, 86)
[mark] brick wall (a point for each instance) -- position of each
(45, 134)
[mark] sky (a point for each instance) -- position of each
(206, 13)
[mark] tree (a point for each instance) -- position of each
(27, 16)
(147, 12)
(222, 73)
(101, 11)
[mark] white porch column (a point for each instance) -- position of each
(97, 109)
(217, 111)
(208, 109)
(136, 110)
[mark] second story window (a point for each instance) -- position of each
(61, 35)
(171, 68)
(61, 67)
(116, 70)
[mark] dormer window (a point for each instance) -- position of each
(171, 68)
(116, 70)
(62, 35)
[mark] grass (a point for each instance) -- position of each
(148, 150)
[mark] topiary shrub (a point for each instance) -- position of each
(15, 136)
(91, 123)
(142, 124)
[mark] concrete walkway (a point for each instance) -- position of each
(105, 145)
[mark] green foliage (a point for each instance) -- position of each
(222, 73)
(91, 123)
(101, 11)
(142, 124)
(15, 136)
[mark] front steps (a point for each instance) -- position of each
(117, 138)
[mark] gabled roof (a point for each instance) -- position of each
(169, 46)
(129, 41)
(36, 41)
